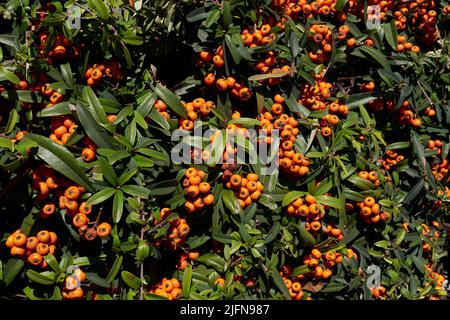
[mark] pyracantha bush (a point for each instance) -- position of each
(351, 98)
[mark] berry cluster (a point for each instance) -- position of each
(161, 106)
(292, 283)
(334, 232)
(247, 189)
(33, 248)
(321, 37)
(197, 190)
(72, 285)
(370, 211)
(321, 265)
(70, 198)
(310, 10)
(59, 50)
(185, 258)
(371, 176)
(110, 69)
(167, 288)
(391, 158)
(198, 108)
(178, 231)
(379, 292)
(237, 88)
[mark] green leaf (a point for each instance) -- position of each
(131, 280)
(359, 99)
(401, 235)
(152, 296)
(230, 201)
(375, 253)
(97, 280)
(232, 49)
(160, 157)
(146, 102)
(212, 260)
(137, 191)
(414, 192)
(101, 196)
(126, 176)
(196, 241)
(93, 129)
(246, 122)
(303, 269)
(291, 196)
(143, 162)
(276, 277)
(362, 183)
(273, 233)
(163, 187)
(419, 150)
(114, 269)
(142, 250)
(67, 75)
(27, 223)
(382, 244)
(171, 99)
(12, 120)
(11, 269)
(227, 20)
(95, 107)
(140, 120)
(340, 4)
(398, 145)
(419, 264)
(58, 109)
(100, 8)
(40, 278)
(248, 213)
(56, 294)
(52, 262)
(159, 119)
(117, 209)
(22, 95)
(108, 171)
(60, 159)
(8, 75)
(212, 18)
(197, 14)
(29, 292)
(10, 40)
(331, 202)
(390, 32)
(133, 40)
(6, 143)
(68, 225)
(243, 231)
(334, 287)
(295, 106)
(306, 76)
(187, 278)
(376, 55)
(306, 237)
(259, 77)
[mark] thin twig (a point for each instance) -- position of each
(141, 294)
(426, 95)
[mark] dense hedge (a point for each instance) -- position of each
(351, 97)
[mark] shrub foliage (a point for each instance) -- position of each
(93, 205)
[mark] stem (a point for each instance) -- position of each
(426, 95)
(98, 217)
(141, 293)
